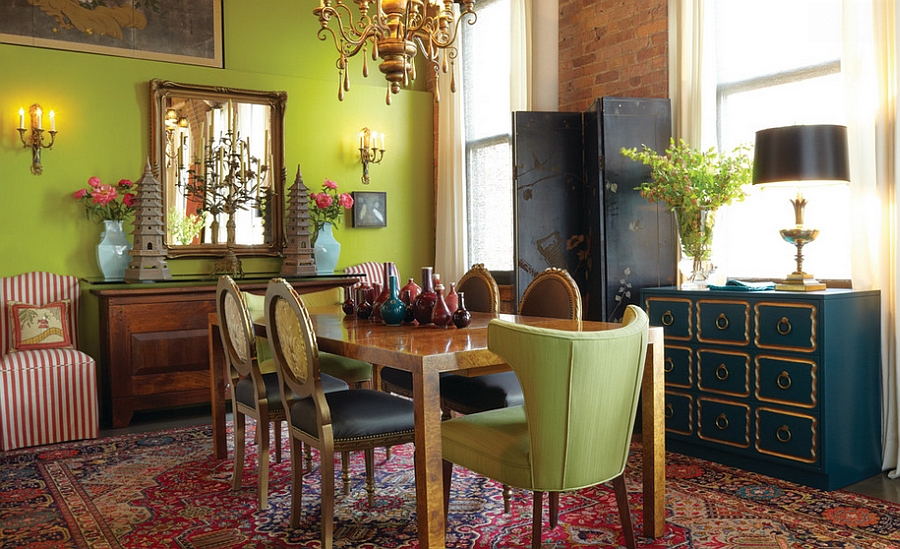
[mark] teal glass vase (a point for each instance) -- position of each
(328, 250)
(112, 251)
(393, 310)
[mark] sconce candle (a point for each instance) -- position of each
(35, 141)
(369, 152)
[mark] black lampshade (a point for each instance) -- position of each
(801, 153)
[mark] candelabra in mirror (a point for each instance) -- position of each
(227, 178)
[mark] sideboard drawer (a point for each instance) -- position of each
(786, 326)
(723, 372)
(679, 413)
(725, 322)
(786, 381)
(679, 366)
(674, 315)
(787, 435)
(724, 422)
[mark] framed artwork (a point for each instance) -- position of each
(369, 209)
(159, 30)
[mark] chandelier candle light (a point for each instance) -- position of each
(396, 32)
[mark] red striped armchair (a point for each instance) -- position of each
(48, 388)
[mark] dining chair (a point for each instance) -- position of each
(553, 293)
(361, 419)
(254, 384)
(574, 429)
(355, 373)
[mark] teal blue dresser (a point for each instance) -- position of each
(785, 384)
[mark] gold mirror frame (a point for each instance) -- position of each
(163, 94)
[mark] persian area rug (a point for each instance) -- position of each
(165, 490)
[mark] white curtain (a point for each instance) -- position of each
(692, 84)
(869, 65)
(871, 72)
(450, 189)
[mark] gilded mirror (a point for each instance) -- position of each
(218, 154)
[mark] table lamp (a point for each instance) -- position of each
(801, 156)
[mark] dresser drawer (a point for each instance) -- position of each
(787, 435)
(679, 366)
(786, 326)
(722, 321)
(724, 422)
(723, 372)
(679, 413)
(787, 381)
(673, 314)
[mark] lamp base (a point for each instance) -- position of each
(800, 282)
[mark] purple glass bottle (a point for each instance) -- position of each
(462, 317)
(441, 315)
(424, 304)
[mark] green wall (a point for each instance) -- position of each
(102, 110)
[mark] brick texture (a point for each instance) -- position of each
(611, 47)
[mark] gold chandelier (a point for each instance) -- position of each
(396, 31)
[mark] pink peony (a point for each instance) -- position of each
(129, 199)
(346, 200)
(94, 181)
(103, 194)
(330, 184)
(80, 193)
(323, 201)
(125, 184)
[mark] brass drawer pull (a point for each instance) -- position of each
(670, 411)
(668, 365)
(722, 322)
(668, 318)
(783, 380)
(783, 326)
(722, 422)
(783, 434)
(722, 372)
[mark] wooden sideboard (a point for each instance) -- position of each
(154, 350)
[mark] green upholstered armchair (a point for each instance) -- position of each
(573, 431)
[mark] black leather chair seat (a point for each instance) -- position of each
(469, 395)
(357, 414)
(246, 395)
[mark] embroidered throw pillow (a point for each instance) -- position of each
(39, 327)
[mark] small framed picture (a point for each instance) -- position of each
(369, 209)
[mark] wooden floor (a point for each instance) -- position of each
(879, 486)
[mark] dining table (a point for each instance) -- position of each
(426, 352)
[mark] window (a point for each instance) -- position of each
(778, 64)
(486, 76)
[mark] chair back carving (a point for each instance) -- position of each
(235, 327)
(553, 293)
(295, 350)
(481, 290)
(581, 392)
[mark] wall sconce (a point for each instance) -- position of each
(35, 141)
(371, 149)
(175, 139)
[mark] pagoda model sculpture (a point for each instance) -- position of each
(299, 256)
(148, 254)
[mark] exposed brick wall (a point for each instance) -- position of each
(611, 47)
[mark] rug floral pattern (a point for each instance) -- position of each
(165, 489)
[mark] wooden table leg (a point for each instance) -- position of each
(217, 388)
(653, 437)
(429, 483)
